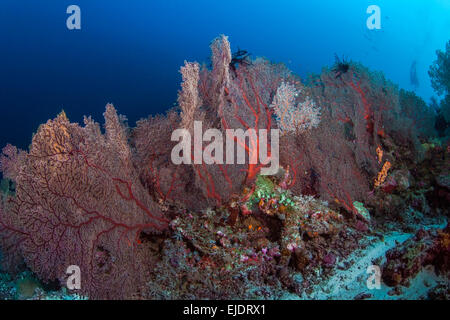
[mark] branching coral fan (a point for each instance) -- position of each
(79, 202)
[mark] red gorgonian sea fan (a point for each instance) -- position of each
(79, 202)
(237, 101)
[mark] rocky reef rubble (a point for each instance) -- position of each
(426, 248)
(25, 286)
(276, 243)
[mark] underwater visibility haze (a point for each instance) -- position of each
(274, 150)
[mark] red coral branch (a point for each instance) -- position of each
(260, 112)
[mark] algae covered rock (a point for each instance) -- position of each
(405, 261)
(362, 210)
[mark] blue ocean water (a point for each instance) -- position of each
(129, 52)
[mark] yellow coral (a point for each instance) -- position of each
(382, 174)
(379, 154)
